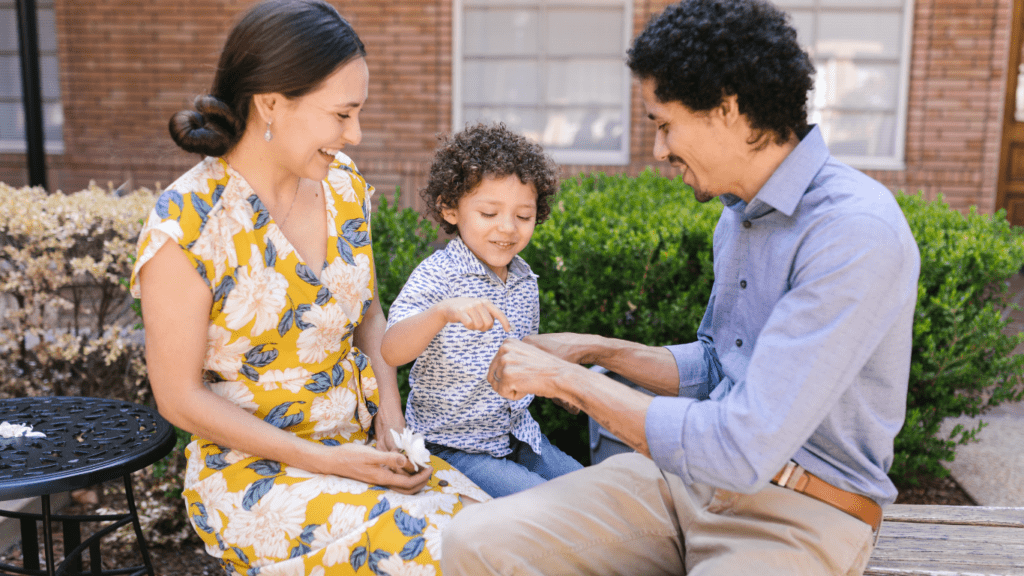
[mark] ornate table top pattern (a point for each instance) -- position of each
(88, 441)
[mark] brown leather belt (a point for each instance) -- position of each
(794, 477)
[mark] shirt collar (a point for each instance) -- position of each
(466, 263)
(790, 180)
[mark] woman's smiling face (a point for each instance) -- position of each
(311, 129)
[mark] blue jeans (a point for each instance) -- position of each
(521, 469)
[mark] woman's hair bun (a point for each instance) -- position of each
(211, 129)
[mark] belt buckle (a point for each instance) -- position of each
(790, 475)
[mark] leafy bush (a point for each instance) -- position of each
(67, 325)
(401, 240)
(961, 361)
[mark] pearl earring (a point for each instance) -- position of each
(267, 135)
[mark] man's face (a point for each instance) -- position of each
(694, 142)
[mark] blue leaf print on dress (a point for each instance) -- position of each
(217, 193)
(224, 289)
(262, 219)
(337, 375)
(249, 372)
(265, 467)
(257, 490)
(306, 274)
(330, 442)
(412, 549)
(200, 519)
(345, 251)
(201, 206)
(375, 557)
(299, 551)
(277, 416)
(287, 319)
(371, 407)
(253, 571)
(381, 507)
(323, 296)
(163, 204)
(299, 311)
(216, 461)
(361, 361)
(241, 554)
(201, 269)
(307, 535)
(321, 383)
(258, 358)
(255, 202)
(409, 525)
(270, 256)
(357, 558)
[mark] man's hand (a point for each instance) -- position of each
(519, 369)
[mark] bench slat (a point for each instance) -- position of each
(919, 540)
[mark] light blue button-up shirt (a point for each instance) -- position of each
(450, 401)
(804, 350)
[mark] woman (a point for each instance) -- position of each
(255, 270)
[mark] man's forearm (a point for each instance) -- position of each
(652, 367)
(619, 409)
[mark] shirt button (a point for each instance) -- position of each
(739, 343)
(743, 283)
(746, 223)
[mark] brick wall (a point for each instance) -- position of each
(126, 66)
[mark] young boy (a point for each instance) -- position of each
(489, 186)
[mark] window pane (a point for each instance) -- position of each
(576, 128)
(803, 22)
(501, 82)
(53, 122)
(501, 32)
(847, 84)
(45, 20)
(10, 77)
(48, 77)
(849, 34)
(527, 121)
(580, 32)
(8, 29)
(12, 122)
(858, 134)
(585, 82)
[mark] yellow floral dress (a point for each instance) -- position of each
(280, 346)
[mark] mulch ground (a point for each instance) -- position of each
(190, 559)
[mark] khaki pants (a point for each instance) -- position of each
(626, 516)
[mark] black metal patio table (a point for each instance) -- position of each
(88, 441)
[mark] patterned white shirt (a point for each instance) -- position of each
(450, 401)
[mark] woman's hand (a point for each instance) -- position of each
(473, 313)
(383, 423)
(389, 469)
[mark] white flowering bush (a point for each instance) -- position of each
(67, 323)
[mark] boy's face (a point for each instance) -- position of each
(496, 220)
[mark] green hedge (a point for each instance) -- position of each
(631, 258)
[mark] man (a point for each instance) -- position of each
(767, 447)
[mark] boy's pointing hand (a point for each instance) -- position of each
(475, 313)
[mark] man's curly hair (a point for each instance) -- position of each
(700, 51)
(486, 151)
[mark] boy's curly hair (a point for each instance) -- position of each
(486, 151)
(698, 51)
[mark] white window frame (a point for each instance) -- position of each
(619, 157)
(51, 146)
(897, 161)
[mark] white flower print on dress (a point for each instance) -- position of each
(339, 551)
(334, 411)
(290, 567)
(342, 184)
(290, 379)
(417, 505)
(344, 519)
(235, 392)
(323, 483)
(432, 533)
(458, 483)
(327, 330)
(395, 566)
(260, 292)
(269, 525)
(222, 355)
(281, 244)
(232, 215)
(350, 285)
(213, 493)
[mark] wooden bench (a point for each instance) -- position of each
(948, 540)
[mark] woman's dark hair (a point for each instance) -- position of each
(486, 151)
(699, 51)
(283, 46)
